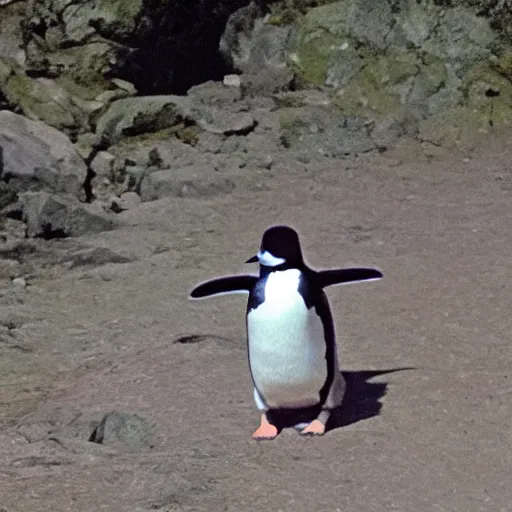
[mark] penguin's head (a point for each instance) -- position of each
(279, 246)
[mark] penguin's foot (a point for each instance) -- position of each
(266, 431)
(315, 428)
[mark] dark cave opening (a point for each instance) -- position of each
(178, 48)
(156, 70)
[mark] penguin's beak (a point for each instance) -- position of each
(254, 259)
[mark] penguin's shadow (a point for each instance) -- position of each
(362, 401)
(362, 398)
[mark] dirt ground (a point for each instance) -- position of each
(426, 350)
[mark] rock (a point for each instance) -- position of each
(19, 282)
(231, 80)
(135, 175)
(12, 231)
(133, 116)
(37, 156)
(258, 50)
(324, 131)
(112, 18)
(327, 34)
(194, 181)
(46, 423)
(11, 37)
(43, 99)
(103, 163)
(86, 144)
(8, 195)
(267, 81)
(213, 94)
(461, 39)
(210, 142)
(123, 431)
(49, 216)
(219, 121)
(410, 60)
(236, 42)
(263, 161)
(81, 40)
(250, 44)
(127, 201)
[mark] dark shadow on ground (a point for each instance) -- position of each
(362, 401)
(362, 398)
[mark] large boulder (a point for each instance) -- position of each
(85, 39)
(134, 116)
(42, 99)
(50, 216)
(38, 157)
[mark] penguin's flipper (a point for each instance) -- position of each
(347, 275)
(224, 285)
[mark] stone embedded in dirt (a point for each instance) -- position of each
(193, 181)
(124, 431)
(133, 116)
(19, 282)
(93, 257)
(49, 216)
(44, 423)
(37, 156)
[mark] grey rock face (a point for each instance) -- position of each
(38, 157)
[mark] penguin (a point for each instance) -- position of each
(290, 332)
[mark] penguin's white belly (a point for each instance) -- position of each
(286, 346)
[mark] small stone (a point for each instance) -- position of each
(121, 430)
(19, 282)
(264, 161)
(103, 163)
(232, 81)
